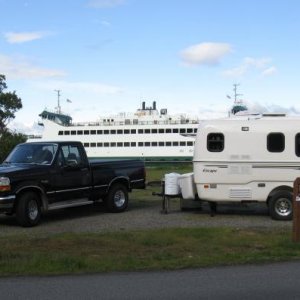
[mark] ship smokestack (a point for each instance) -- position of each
(154, 105)
(143, 105)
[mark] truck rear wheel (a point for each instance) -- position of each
(281, 206)
(117, 198)
(28, 210)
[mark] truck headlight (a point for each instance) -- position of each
(4, 184)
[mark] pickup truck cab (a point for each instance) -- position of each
(40, 176)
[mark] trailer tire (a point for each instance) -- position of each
(116, 200)
(28, 210)
(281, 206)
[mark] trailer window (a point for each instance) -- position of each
(275, 142)
(297, 144)
(215, 142)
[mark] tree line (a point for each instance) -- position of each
(10, 103)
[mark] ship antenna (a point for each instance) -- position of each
(58, 101)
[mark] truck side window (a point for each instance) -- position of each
(275, 142)
(297, 144)
(215, 142)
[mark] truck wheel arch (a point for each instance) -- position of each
(35, 189)
(279, 189)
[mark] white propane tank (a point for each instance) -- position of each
(171, 184)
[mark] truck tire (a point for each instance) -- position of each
(281, 206)
(28, 210)
(117, 198)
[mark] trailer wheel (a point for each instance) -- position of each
(117, 198)
(28, 210)
(281, 206)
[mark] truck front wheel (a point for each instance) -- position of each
(281, 206)
(117, 198)
(28, 210)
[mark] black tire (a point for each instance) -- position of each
(281, 206)
(117, 198)
(28, 210)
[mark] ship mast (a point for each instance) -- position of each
(58, 101)
(236, 95)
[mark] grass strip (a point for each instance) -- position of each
(164, 249)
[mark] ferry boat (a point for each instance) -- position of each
(149, 134)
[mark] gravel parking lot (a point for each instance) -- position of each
(144, 212)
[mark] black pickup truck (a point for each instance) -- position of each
(40, 176)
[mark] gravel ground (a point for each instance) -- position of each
(143, 213)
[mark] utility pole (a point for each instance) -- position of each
(58, 101)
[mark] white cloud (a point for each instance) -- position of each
(262, 65)
(205, 53)
(22, 37)
(15, 68)
(269, 71)
(105, 3)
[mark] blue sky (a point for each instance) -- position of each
(108, 56)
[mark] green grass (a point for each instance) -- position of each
(165, 249)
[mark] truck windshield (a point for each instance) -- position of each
(37, 153)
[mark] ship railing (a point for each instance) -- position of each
(152, 122)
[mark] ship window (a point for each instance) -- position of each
(79, 132)
(195, 130)
(73, 132)
(135, 121)
(190, 144)
(99, 144)
(112, 132)
(106, 131)
(175, 130)
(119, 131)
(67, 132)
(154, 144)
(182, 143)
(182, 130)
(93, 144)
(93, 131)
(86, 145)
(106, 144)
(140, 144)
(119, 144)
(113, 144)
(154, 130)
(275, 142)
(133, 144)
(147, 144)
(215, 142)
(126, 131)
(168, 130)
(161, 144)
(147, 131)
(126, 144)
(86, 132)
(141, 131)
(161, 131)
(189, 130)
(297, 144)
(60, 133)
(175, 143)
(133, 131)
(99, 131)
(168, 144)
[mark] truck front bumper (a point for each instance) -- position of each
(7, 203)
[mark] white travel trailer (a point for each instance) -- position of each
(247, 159)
